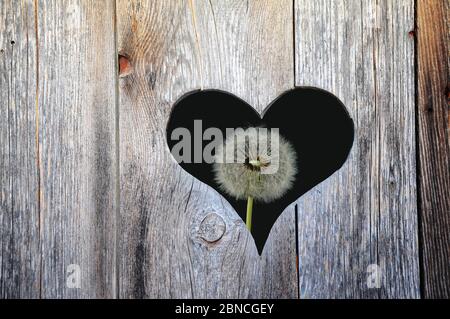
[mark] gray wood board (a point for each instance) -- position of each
(175, 47)
(77, 143)
(366, 213)
(20, 256)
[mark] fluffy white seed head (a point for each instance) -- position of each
(263, 173)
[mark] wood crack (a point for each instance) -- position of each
(38, 151)
(197, 40)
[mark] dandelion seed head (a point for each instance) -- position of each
(263, 173)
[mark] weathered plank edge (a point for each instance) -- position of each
(19, 164)
(433, 155)
(77, 147)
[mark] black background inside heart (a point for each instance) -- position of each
(314, 121)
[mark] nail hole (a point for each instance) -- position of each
(13, 42)
(125, 67)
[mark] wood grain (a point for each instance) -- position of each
(19, 169)
(365, 213)
(434, 151)
(247, 50)
(77, 111)
(176, 47)
(144, 228)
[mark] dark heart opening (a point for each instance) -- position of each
(314, 121)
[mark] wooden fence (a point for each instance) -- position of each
(86, 178)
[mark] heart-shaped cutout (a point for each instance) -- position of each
(314, 121)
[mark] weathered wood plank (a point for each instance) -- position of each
(19, 177)
(365, 213)
(434, 151)
(175, 47)
(247, 49)
(77, 109)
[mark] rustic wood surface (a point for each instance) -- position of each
(86, 177)
(365, 213)
(58, 166)
(176, 47)
(434, 151)
(19, 193)
(77, 112)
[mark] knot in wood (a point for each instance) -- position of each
(125, 67)
(212, 228)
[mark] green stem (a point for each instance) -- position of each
(248, 220)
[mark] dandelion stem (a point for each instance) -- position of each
(248, 220)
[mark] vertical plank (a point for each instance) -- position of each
(247, 49)
(179, 237)
(365, 214)
(19, 181)
(434, 150)
(77, 102)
